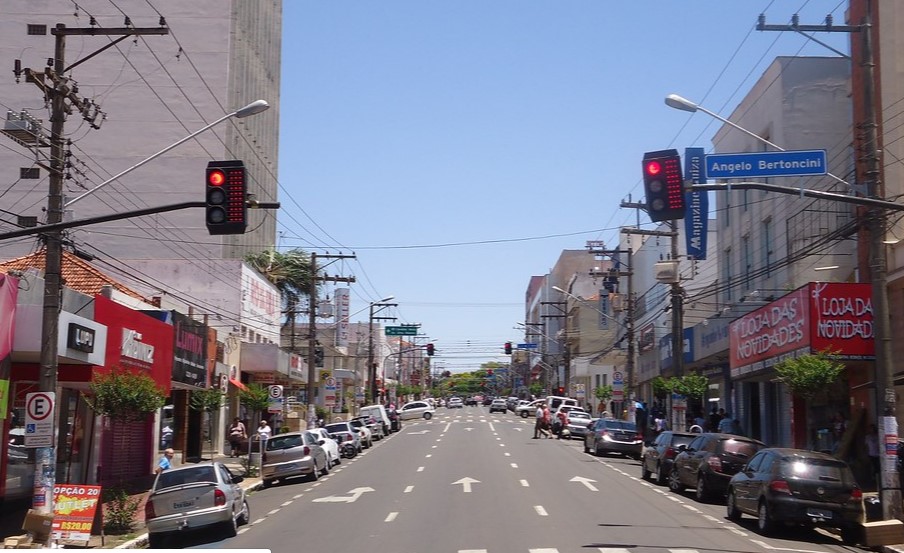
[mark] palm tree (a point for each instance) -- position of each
(290, 272)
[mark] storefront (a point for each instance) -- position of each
(833, 317)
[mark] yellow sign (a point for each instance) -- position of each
(324, 375)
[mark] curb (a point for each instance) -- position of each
(142, 541)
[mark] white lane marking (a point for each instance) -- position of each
(273, 512)
(286, 504)
(525, 484)
(613, 550)
(501, 445)
(472, 551)
(712, 518)
(427, 456)
(258, 521)
(737, 531)
(446, 429)
(691, 508)
(408, 489)
(765, 545)
(586, 482)
(498, 438)
(391, 517)
(493, 428)
(540, 510)
(543, 550)
(514, 465)
(297, 496)
(434, 446)
(684, 551)
(675, 499)
(507, 454)
(420, 469)
(243, 530)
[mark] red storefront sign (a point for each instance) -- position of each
(816, 317)
(136, 342)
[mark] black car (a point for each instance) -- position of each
(471, 401)
(795, 486)
(613, 436)
(709, 462)
(658, 457)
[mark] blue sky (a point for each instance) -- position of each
(458, 147)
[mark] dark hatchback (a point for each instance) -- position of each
(613, 436)
(658, 457)
(709, 462)
(796, 486)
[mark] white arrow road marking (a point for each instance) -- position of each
(765, 545)
(419, 433)
(519, 429)
(355, 494)
(586, 482)
(466, 483)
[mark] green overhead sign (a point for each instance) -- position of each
(401, 331)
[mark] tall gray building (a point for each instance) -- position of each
(145, 93)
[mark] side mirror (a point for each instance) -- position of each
(321, 441)
(237, 479)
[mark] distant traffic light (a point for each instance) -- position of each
(429, 349)
(226, 190)
(318, 356)
(489, 372)
(560, 391)
(663, 185)
(508, 348)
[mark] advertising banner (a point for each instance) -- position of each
(190, 351)
(342, 315)
(9, 292)
(73, 512)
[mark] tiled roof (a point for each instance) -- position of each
(78, 274)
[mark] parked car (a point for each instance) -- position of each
(376, 429)
(794, 486)
(416, 410)
(613, 436)
(658, 457)
(330, 445)
(380, 413)
(367, 436)
(345, 432)
(471, 401)
(487, 400)
(455, 403)
(528, 408)
(578, 424)
(498, 405)
(293, 454)
(709, 462)
(193, 497)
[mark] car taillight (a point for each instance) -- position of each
(669, 452)
(306, 451)
(149, 511)
(856, 496)
(780, 486)
(714, 463)
(219, 498)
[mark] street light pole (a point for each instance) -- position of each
(371, 364)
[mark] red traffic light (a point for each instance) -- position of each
(508, 348)
(429, 349)
(653, 168)
(664, 185)
(226, 209)
(216, 177)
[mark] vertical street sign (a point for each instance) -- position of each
(696, 222)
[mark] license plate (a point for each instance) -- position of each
(285, 468)
(183, 504)
(819, 513)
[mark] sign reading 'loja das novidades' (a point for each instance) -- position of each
(819, 316)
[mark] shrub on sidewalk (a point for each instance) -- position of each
(119, 511)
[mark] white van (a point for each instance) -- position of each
(555, 401)
(379, 413)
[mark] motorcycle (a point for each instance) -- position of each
(347, 448)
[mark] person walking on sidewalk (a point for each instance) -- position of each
(264, 431)
(237, 435)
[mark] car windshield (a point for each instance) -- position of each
(740, 448)
(357, 423)
(621, 425)
(579, 415)
(826, 470)
(170, 478)
(337, 427)
(285, 441)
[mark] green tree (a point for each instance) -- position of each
(662, 387)
(603, 393)
(207, 401)
(124, 396)
(691, 385)
(809, 374)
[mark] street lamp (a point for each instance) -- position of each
(371, 366)
(890, 493)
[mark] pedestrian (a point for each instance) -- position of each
(872, 450)
(237, 435)
(713, 420)
(165, 462)
(726, 424)
(546, 423)
(561, 423)
(263, 430)
(538, 424)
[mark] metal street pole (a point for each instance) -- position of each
(371, 363)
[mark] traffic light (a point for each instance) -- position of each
(508, 348)
(318, 356)
(226, 212)
(663, 185)
(560, 391)
(489, 372)
(430, 349)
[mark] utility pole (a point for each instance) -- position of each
(371, 363)
(312, 325)
(63, 95)
(890, 483)
(561, 306)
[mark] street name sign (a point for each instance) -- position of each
(794, 163)
(401, 331)
(527, 346)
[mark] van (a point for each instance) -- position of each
(555, 401)
(379, 413)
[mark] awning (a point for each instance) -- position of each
(238, 384)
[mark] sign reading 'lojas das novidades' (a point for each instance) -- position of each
(819, 316)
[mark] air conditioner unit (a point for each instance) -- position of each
(666, 272)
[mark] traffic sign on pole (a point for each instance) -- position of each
(404, 330)
(766, 164)
(39, 419)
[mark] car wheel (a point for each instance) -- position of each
(586, 449)
(702, 493)
(230, 528)
(850, 535)
(731, 507)
(764, 522)
(644, 473)
(157, 541)
(661, 476)
(675, 482)
(597, 451)
(266, 483)
(427, 416)
(326, 466)
(524, 414)
(245, 514)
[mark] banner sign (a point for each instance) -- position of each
(696, 222)
(9, 292)
(73, 511)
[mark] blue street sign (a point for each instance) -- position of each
(527, 346)
(766, 164)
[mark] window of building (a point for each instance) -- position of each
(34, 30)
(29, 173)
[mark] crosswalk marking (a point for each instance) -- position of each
(599, 549)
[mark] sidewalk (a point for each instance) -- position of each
(12, 519)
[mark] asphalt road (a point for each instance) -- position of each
(467, 481)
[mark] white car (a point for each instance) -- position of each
(455, 403)
(416, 410)
(330, 446)
(367, 436)
(498, 405)
(529, 408)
